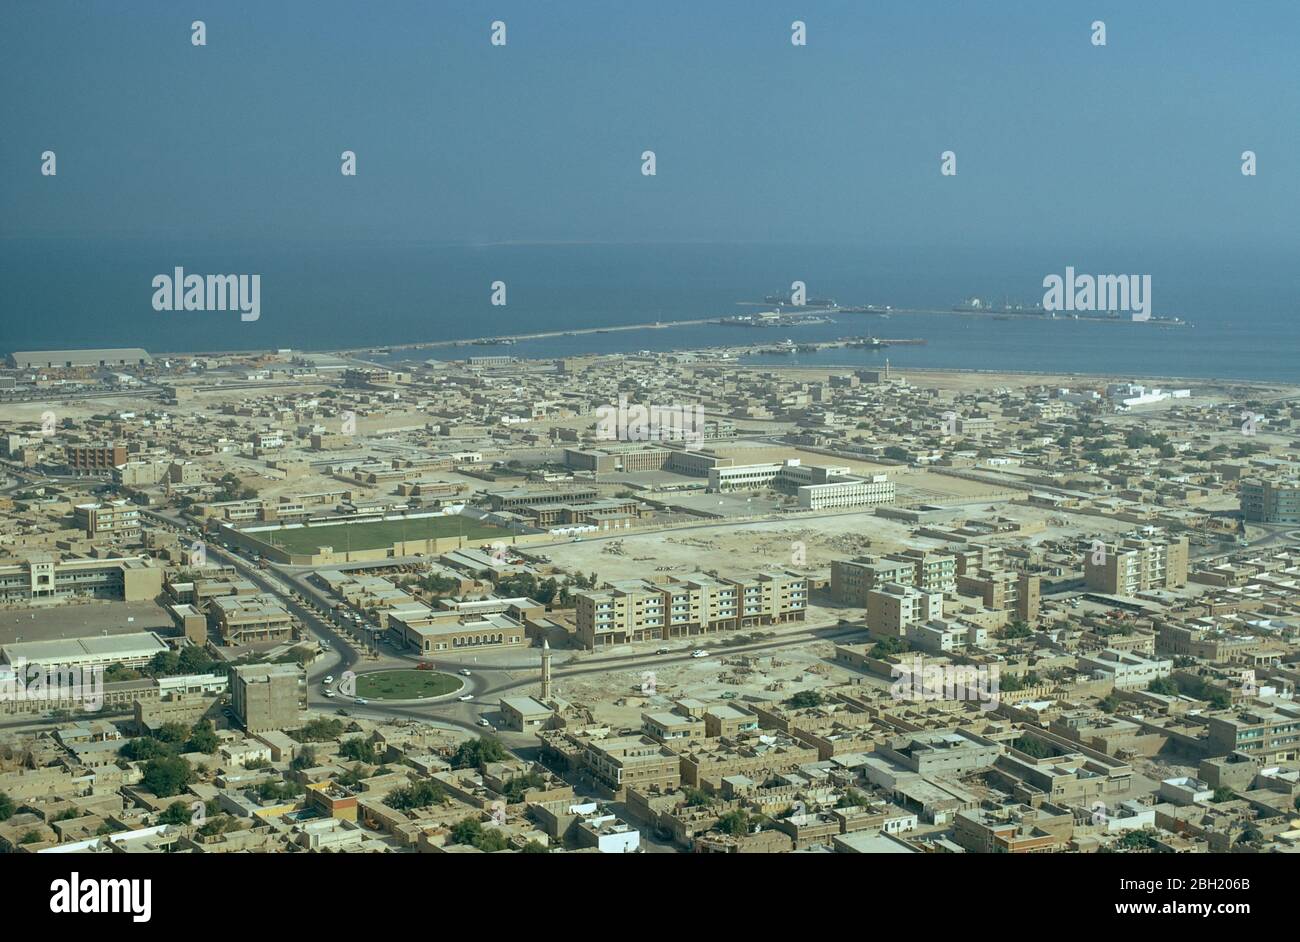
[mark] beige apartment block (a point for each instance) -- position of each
(268, 696)
(932, 572)
(1137, 565)
(892, 608)
(852, 579)
(118, 518)
(641, 610)
(636, 761)
(245, 619)
(1272, 735)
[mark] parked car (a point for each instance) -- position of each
(700, 653)
(482, 721)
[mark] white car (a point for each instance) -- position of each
(465, 672)
(483, 722)
(329, 679)
(329, 693)
(464, 697)
(700, 653)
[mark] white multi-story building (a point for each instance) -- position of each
(852, 493)
(1125, 668)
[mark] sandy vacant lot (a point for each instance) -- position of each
(815, 540)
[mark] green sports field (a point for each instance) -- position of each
(378, 534)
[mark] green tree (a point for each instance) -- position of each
(321, 730)
(116, 673)
(476, 753)
(697, 798)
(359, 750)
(203, 738)
(6, 807)
(733, 822)
(804, 699)
(194, 660)
(166, 776)
(888, 647)
(1137, 840)
(1163, 686)
(165, 663)
(419, 794)
(1033, 747)
(1017, 629)
(176, 813)
(518, 786)
(171, 733)
(144, 748)
(852, 798)
(471, 831)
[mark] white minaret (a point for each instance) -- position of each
(546, 670)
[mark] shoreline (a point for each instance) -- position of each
(719, 320)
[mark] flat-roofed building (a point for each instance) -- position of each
(728, 721)
(1265, 500)
(893, 607)
(428, 632)
(613, 459)
(94, 459)
(628, 611)
(667, 726)
(636, 761)
(114, 518)
(534, 497)
(1017, 829)
(851, 491)
(268, 696)
(932, 572)
(640, 610)
(946, 752)
(852, 579)
(522, 714)
(129, 650)
(1137, 565)
(1270, 734)
(1127, 669)
(940, 635)
(74, 359)
(45, 576)
(245, 619)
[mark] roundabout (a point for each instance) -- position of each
(406, 685)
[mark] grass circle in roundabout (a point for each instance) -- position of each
(406, 685)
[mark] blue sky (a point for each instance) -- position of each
(1137, 143)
